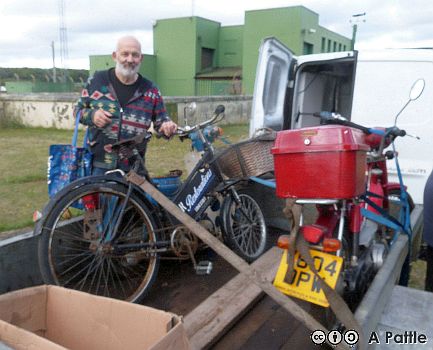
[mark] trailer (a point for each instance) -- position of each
(225, 309)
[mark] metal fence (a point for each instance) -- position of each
(218, 87)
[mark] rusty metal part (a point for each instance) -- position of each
(91, 220)
(183, 242)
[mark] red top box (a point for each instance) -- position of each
(324, 162)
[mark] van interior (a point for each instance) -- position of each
(321, 86)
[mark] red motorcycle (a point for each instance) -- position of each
(341, 169)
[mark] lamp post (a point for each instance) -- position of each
(355, 20)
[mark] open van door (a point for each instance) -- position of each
(271, 86)
(288, 89)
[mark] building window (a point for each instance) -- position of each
(329, 45)
(323, 49)
(339, 47)
(308, 48)
(207, 58)
(335, 46)
(344, 47)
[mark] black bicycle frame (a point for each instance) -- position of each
(205, 177)
(192, 196)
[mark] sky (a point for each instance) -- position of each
(28, 27)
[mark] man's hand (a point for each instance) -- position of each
(168, 128)
(101, 118)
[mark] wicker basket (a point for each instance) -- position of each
(248, 158)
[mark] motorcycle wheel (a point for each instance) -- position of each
(393, 199)
(244, 228)
(394, 211)
(73, 254)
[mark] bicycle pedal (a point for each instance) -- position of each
(204, 268)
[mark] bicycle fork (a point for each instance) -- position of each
(239, 206)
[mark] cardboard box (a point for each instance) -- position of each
(50, 317)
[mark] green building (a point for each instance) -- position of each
(198, 56)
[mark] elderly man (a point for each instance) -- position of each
(119, 103)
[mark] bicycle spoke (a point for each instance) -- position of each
(91, 269)
(246, 228)
(79, 272)
(73, 256)
(118, 278)
(96, 263)
(68, 234)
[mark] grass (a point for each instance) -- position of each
(23, 167)
(23, 173)
(417, 274)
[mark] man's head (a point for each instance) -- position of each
(128, 58)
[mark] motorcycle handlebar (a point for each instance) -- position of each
(335, 118)
(398, 132)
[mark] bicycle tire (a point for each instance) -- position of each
(246, 239)
(72, 253)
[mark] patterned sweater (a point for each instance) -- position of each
(146, 106)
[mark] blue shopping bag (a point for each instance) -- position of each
(67, 163)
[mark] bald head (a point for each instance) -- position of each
(128, 58)
(128, 40)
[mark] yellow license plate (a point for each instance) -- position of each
(304, 284)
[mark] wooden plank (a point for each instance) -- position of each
(249, 324)
(242, 266)
(213, 317)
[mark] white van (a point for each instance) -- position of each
(369, 88)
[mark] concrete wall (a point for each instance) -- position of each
(55, 110)
(43, 109)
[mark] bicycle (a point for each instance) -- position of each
(105, 236)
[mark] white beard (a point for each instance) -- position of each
(127, 71)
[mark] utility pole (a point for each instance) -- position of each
(54, 62)
(192, 8)
(360, 17)
(63, 39)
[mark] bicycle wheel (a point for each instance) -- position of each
(244, 227)
(75, 248)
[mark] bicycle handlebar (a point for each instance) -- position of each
(183, 131)
(125, 147)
